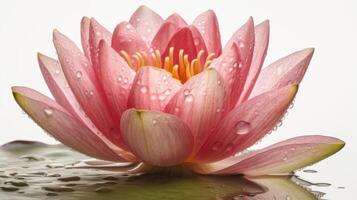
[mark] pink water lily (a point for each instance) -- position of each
(160, 93)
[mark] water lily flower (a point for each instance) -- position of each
(160, 93)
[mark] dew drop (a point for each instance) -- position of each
(186, 92)
(167, 92)
(242, 127)
(57, 71)
(79, 74)
(189, 98)
(177, 109)
(153, 97)
(48, 111)
(144, 89)
(196, 41)
(235, 65)
(154, 122)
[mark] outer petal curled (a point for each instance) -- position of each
(64, 127)
(287, 70)
(281, 158)
(159, 139)
(247, 124)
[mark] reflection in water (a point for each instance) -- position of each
(31, 170)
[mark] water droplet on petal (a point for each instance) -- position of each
(167, 92)
(186, 92)
(79, 74)
(189, 98)
(154, 122)
(242, 127)
(196, 41)
(57, 71)
(144, 89)
(48, 111)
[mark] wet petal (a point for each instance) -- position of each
(230, 67)
(247, 124)
(125, 38)
(159, 139)
(177, 20)
(287, 70)
(152, 89)
(59, 123)
(83, 82)
(260, 50)
(244, 39)
(164, 35)
(281, 158)
(207, 24)
(85, 23)
(201, 102)
(117, 78)
(146, 22)
(97, 33)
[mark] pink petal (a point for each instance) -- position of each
(146, 22)
(244, 39)
(207, 24)
(201, 103)
(58, 85)
(229, 65)
(283, 157)
(190, 40)
(164, 35)
(125, 38)
(117, 78)
(85, 23)
(159, 139)
(247, 124)
(177, 20)
(287, 70)
(58, 122)
(152, 89)
(260, 50)
(97, 33)
(82, 80)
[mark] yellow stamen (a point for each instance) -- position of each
(182, 70)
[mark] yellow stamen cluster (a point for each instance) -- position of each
(182, 70)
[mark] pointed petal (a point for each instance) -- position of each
(58, 85)
(152, 89)
(125, 38)
(177, 20)
(159, 139)
(281, 158)
(146, 22)
(244, 38)
(117, 78)
(164, 35)
(85, 23)
(190, 40)
(82, 80)
(247, 124)
(58, 122)
(230, 67)
(97, 33)
(207, 24)
(201, 103)
(287, 70)
(260, 50)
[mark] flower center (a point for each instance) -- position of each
(181, 68)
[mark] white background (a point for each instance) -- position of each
(325, 104)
